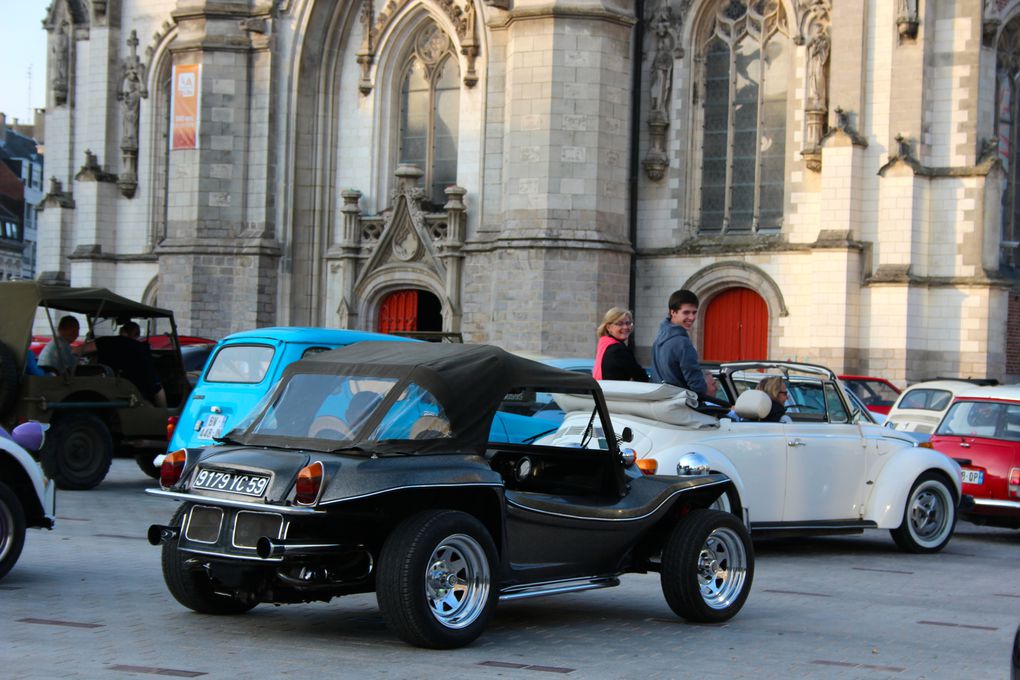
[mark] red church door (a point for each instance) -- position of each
(410, 310)
(736, 325)
(399, 312)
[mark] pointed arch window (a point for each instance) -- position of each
(746, 69)
(1007, 108)
(429, 111)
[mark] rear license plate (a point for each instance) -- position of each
(213, 427)
(974, 477)
(231, 482)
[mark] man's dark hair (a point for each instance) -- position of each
(130, 329)
(682, 297)
(67, 322)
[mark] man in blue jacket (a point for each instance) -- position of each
(674, 358)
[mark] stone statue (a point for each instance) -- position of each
(130, 94)
(61, 55)
(818, 58)
(662, 63)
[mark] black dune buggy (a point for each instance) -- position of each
(369, 468)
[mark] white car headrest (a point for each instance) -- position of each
(753, 405)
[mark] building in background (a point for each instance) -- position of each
(834, 179)
(21, 183)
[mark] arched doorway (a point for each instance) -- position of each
(410, 310)
(736, 326)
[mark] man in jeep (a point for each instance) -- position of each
(60, 355)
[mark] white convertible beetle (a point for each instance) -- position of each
(830, 470)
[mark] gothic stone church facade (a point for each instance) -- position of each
(834, 178)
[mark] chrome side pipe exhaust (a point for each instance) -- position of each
(272, 547)
(159, 534)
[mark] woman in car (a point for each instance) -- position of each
(613, 358)
(775, 387)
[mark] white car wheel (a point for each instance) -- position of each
(929, 516)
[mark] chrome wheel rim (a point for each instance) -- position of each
(722, 568)
(928, 513)
(457, 581)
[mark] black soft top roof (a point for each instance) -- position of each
(469, 381)
(96, 302)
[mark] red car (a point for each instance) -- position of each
(878, 394)
(981, 430)
(155, 342)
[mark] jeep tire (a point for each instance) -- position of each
(78, 451)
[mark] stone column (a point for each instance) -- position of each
(559, 251)
(450, 251)
(219, 264)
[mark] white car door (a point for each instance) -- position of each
(826, 462)
(758, 451)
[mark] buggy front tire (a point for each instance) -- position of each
(190, 584)
(707, 566)
(435, 581)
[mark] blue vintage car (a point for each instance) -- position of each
(245, 365)
(242, 368)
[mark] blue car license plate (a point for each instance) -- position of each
(231, 482)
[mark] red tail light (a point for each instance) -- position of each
(171, 425)
(1014, 482)
(309, 483)
(173, 466)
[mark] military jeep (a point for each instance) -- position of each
(93, 410)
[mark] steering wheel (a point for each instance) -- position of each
(330, 424)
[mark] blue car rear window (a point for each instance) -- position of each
(246, 364)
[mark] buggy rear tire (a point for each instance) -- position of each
(78, 451)
(9, 375)
(12, 529)
(707, 566)
(435, 581)
(191, 586)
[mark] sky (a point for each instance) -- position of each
(24, 44)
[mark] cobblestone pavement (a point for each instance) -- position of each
(87, 600)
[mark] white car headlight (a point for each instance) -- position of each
(692, 465)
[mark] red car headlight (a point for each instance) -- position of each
(173, 466)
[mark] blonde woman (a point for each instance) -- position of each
(775, 387)
(613, 358)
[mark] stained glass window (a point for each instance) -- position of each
(429, 111)
(746, 71)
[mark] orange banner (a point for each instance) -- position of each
(185, 106)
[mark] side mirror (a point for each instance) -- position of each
(627, 435)
(29, 436)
